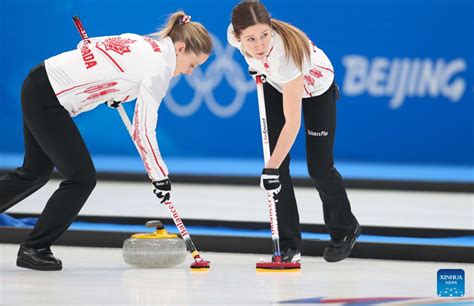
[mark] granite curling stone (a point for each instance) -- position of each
(159, 249)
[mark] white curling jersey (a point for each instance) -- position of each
(122, 68)
(318, 73)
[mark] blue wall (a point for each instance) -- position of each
(405, 69)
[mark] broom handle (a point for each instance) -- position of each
(266, 156)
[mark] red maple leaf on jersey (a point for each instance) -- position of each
(118, 44)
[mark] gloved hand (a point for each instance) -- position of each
(162, 189)
(112, 103)
(270, 180)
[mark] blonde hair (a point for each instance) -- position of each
(295, 41)
(193, 34)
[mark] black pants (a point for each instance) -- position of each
(320, 126)
(51, 140)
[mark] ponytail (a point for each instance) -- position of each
(179, 28)
(295, 42)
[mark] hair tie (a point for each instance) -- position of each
(185, 19)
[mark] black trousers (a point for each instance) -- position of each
(51, 140)
(320, 125)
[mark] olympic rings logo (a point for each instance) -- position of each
(204, 84)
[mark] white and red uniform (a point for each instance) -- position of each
(318, 73)
(119, 68)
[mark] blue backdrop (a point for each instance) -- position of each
(405, 69)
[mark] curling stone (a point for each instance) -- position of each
(159, 249)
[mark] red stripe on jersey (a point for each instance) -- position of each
(110, 57)
(154, 155)
(138, 141)
(61, 92)
(314, 46)
(307, 92)
(269, 53)
(325, 68)
(152, 151)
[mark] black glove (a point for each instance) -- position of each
(162, 189)
(112, 103)
(270, 180)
